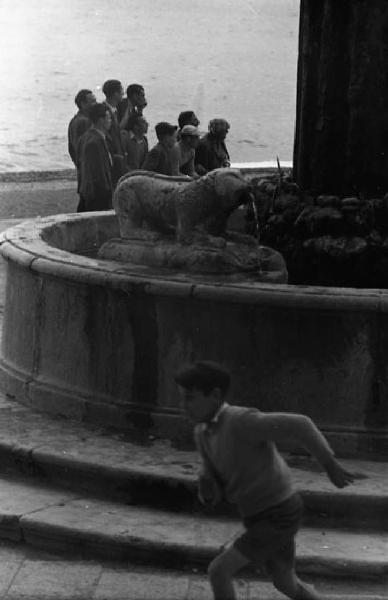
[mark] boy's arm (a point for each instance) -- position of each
(189, 167)
(209, 489)
(201, 159)
(174, 161)
(152, 160)
(125, 118)
(278, 427)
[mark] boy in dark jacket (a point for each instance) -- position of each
(80, 122)
(241, 462)
(113, 91)
(211, 152)
(162, 158)
(94, 163)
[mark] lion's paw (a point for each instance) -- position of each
(217, 242)
(210, 241)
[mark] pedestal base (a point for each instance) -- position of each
(260, 262)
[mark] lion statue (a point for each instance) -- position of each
(150, 206)
(187, 218)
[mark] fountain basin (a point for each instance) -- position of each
(100, 341)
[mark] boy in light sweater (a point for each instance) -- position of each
(241, 463)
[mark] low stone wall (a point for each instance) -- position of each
(101, 341)
(38, 176)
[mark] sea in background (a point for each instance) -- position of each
(222, 58)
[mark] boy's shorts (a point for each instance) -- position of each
(271, 533)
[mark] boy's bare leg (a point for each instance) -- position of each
(221, 571)
(286, 581)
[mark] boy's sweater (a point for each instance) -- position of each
(238, 451)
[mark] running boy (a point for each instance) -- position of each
(241, 462)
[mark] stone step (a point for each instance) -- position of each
(148, 471)
(61, 520)
(30, 574)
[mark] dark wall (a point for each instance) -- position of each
(341, 136)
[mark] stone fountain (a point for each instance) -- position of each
(99, 339)
(180, 224)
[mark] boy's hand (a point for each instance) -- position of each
(338, 475)
(209, 491)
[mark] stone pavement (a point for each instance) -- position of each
(28, 199)
(27, 574)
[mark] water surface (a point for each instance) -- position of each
(235, 59)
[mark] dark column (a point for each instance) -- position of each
(341, 137)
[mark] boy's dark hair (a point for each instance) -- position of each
(134, 88)
(81, 97)
(97, 111)
(110, 87)
(204, 375)
(163, 128)
(185, 118)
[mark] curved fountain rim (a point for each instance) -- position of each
(24, 245)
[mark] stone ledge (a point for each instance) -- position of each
(123, 532)
(136, 463)
(70, 174)
(34, 176)
(26, 239)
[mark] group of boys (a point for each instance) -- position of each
(108, 139)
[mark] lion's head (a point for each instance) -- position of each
(230, 187)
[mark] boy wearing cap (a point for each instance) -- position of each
(188, 142)
(161, 158)
(241, 462)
